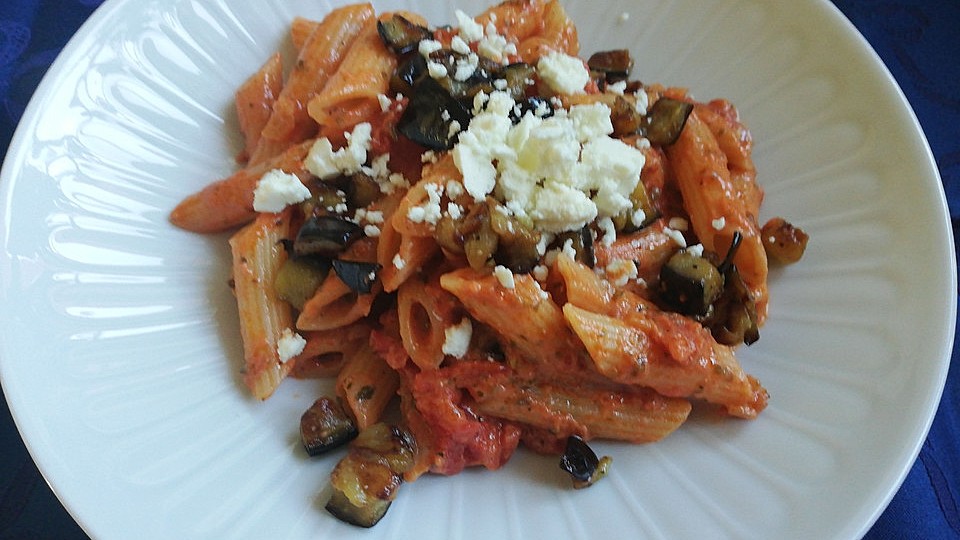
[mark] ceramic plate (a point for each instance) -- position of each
(120, 349)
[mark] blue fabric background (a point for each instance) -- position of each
(919, 40)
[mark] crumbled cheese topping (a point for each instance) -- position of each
(457, 338)
(564, 74)
(429, 211)
(719, 223)
(277, 189)
(290, 345)
(676, 236)
(504, 276)
(563, 171)
(324, 163)
(621, 271)
(470, 30)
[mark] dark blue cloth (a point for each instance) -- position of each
(919, 40)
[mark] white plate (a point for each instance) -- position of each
(120, 349)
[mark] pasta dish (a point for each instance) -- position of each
(496, 238)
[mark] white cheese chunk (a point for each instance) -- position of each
(290, 345)
(504, 276)
(276, 190)
(564, 74)
(457, 338)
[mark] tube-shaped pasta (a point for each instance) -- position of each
(257, 257)
(557, 33)
(523, 315)
(633, 342)
(325, 351)
(300, 30)
(319, 59)
(566, 407)
(254, 103)
(227, 203)
(425, 312)
(351, 95)
(334, 305)
(704, 178)
(649, 248)
(366, 384)
(425, 197)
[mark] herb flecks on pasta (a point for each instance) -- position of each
(523, 246)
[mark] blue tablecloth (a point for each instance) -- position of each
(919, 40)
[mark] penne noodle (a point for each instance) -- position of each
(254, 103)
(366, 384)
(351, 95)
(573, 407)
(632, 342)
(557, 34)
(524, 316)
(704, 179)
(300, 30)
(257, 256)
(425, 312)
(228, 203)
(334, 305)
(319, 59)
(649, 248)
(326, 351)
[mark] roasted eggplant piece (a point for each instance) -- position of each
(359, 276)
(366, 480)
(518, 77)
(783, 242)
(325, 426)
(428, 118)
(400, 35)
(324, 198)
(614, 65)
(665, 120)
(325, 236)
(299, 278)
(408, 74)
(582, 463)
(535, 104)
(690, 283)
(517, 240)
(733, 319)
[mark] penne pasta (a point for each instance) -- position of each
(704, 179)
(321, 55)
(228, 203)
(254, 103)
(366, 384)
(425, 312)
(257, 257)
(524, 316)
(300, 30)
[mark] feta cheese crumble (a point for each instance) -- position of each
(564, 74)
(323, 162)
(276, 190)
(290, 345)
(562, 172)
(457, 338)
(504, 276)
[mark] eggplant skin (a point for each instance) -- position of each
(366, 516)
(325, 426)
(367, 479)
